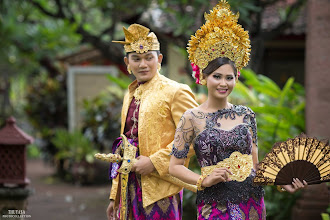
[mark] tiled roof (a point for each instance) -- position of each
(13, 135)
(271, 18)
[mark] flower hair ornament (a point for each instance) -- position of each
(220, 36)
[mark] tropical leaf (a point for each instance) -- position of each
(269, 84)
(241, 91)
(250, 77)
(286, 90)
(280, 112)
(123, 82)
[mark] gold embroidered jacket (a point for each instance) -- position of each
(163, 102)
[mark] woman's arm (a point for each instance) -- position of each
(178, 170)
(184, 136)
(252, 122)
(255, 156)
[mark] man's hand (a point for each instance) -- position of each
(143, 165)
(111, 211)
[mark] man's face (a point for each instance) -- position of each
(144, 65)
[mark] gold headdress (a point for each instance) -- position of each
(220, 36)
(138, 39)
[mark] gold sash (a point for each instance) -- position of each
(239, 164)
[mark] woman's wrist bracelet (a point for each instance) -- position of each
(280, 189)
(199, 182)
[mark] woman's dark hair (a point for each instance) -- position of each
(216, 63)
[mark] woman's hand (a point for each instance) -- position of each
(218, 175)
(296, 185)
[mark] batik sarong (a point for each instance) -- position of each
(250, 210)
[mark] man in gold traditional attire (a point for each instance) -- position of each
(151, 111)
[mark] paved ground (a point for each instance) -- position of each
(54, 200)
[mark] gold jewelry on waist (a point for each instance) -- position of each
(239, 164)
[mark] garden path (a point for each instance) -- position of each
(53, 200)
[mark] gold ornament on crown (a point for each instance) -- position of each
(138, 39)
(220, 36)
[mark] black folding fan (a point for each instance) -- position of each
(302, 157)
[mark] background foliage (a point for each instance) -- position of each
(46, 109)
(280, 112)
(101, 118)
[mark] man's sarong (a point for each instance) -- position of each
(168, 208)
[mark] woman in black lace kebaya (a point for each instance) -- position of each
(217, 129)
(223, 135)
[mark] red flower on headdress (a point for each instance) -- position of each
(238, 73)
(196, 72)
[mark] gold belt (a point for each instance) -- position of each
(239, 164)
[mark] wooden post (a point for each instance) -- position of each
(315, 199)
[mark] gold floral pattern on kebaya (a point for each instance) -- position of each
(239, 164)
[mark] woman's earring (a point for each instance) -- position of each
(202, 80)
(129, 69)
(159, 66)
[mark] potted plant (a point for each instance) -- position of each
(77, 152)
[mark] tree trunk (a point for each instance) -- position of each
(4, 96)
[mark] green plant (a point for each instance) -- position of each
(279, 205)
(73, 146)
(325, 216)
(101, 117)
(122, 81)
(33, 151)
(46, 108)
(279, 112)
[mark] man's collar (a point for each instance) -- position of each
(145, 85)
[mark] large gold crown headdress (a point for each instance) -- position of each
(220, 36)
(138, 39)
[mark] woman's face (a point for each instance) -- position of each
(221, 82)
(144, 66)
